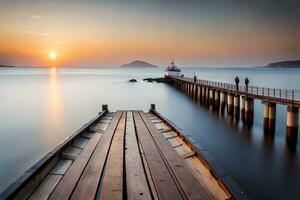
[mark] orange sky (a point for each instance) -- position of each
(92, 33)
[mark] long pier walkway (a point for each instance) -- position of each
(240, 102)
(126, 155)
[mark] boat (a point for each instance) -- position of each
(172, 70)
(126, 154)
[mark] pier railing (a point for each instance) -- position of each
(282, 94)
(255, 90)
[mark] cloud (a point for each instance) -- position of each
(45, 34)
(36, 16)
(28, 32)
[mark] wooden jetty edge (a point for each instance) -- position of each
(126, 155)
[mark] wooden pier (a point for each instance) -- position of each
(239, 102)
(126, 155)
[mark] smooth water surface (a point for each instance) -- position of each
(41, 107)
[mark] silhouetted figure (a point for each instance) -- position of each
(246, 83)
(237, 81)
(195, 78)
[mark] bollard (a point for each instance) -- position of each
(292, 119)
(104, 107)
(152, 107)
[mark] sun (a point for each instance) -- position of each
(52, 55)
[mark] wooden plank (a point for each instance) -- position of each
(148, 174)
(71, 152)
(175, 142)
(156, 120)
(189, 184)
(105, 121)
(163, 181)
(112, 183)
(88, 183)
(80, 142)
(136, 182)
(88, 134)
(43, 191)
(204, 176)
(61, 167)
(107, 118)
(170, 134)
(69, 180)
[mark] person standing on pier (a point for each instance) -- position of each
(237, 81)
(246, 83)
(195, 78)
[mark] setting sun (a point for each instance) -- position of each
(52, 55)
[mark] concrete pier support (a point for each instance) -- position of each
(217, 101)
(199, 94)
(222, 102)
(203, 95)
(292, 120)
(236, 103)
(272, 117)
(266, 117)
(196, 93)
(207, 96)
(269, 117)
(249, 108)
(211, 97)
(229, 104)
(243, 108)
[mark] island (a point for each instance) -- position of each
(138, 63)
(6, 66)
(285, 64)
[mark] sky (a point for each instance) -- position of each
(96, 33)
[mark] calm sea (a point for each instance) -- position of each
(41, 107)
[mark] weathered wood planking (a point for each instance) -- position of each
(71, 152)
(190, 185)
(66, 185)
(44, 190)
(88, 134)
(136, 182)
(164, 183)
(61, 167)
(80, 142)
(87, 186)
(112, 181)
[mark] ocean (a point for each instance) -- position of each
(39, 107)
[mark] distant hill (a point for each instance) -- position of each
(285, 64)
(138, 63)
(6, 66)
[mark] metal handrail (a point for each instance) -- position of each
(284, 94)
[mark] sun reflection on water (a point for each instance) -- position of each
(54, 104)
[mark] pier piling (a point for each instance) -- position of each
(236, 103)
(249, 105)
(222, 102)
(292, 119)
(217, 101)
(229, 104)
(243, 108)
(240, 103)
